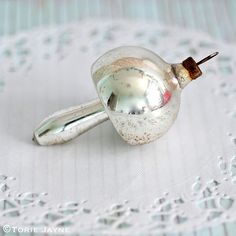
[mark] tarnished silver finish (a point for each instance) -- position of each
(67, 124)
(139, 92)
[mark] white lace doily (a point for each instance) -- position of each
(97, 183)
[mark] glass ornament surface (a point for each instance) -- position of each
(139, 92)
(183, 182)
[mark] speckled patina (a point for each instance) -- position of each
(139, 91)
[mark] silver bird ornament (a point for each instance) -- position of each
(138, 91)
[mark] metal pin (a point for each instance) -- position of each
(208, 58)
